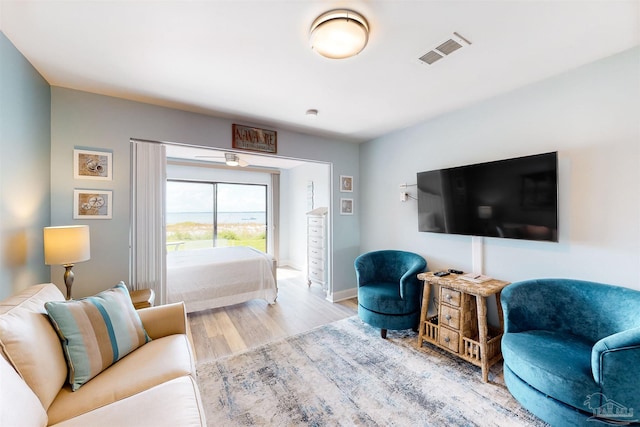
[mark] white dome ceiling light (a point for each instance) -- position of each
(339, 34)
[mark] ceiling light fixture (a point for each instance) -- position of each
(231, 159)
(339, 34)
(313, 113)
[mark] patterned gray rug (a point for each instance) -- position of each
(344, 374)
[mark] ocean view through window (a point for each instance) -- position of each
(205, 215)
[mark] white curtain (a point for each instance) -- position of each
(275, 220)
(148, 237)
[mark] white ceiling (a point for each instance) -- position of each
(250, 60)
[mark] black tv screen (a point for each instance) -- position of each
(515, 198)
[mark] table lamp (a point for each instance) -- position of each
(65, 246)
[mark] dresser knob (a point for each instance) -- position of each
(448, 296)
(447, 339)
(448, 317)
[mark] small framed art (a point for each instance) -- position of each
(346, 206)
(92, 165)
(92, 204)
(346, 184)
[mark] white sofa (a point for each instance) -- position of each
(152, 386)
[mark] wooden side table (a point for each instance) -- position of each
(460, 326)
(142, 298)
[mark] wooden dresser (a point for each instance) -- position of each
(317, 247)
(460, 325)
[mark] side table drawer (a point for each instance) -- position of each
(450, 317)
(449, 296)
(449, 339)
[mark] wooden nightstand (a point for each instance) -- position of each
(460, 326)
(142, 298)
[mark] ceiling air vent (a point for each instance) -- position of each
(431, 57)
(451, 45)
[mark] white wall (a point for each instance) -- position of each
(589, 115)
(294, 220)
(89, 120)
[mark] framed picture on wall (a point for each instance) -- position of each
(346, 184)
(254, 139)
(346, 206)
(96, 165)
(309, 195)
(92, 204)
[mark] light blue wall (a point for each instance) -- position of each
(88, 120)
(589, 115)
(25, 100)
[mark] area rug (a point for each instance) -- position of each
(344, 374)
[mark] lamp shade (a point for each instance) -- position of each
(339, 34)
(66, 245)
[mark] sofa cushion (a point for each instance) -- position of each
(30, 343)
(160, 360)
(96, 331)
(19, 406)
(557, 364)
(170, 404)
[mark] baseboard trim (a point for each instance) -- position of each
(343, 295)
(288, 263)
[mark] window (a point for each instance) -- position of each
(205, 215)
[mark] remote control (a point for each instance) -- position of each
(454, 271)
(441, 273)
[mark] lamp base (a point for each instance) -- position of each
(68, 279)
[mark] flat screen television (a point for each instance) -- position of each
(514, 198)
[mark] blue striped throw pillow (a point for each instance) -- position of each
(96, 331)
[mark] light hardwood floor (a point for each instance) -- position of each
(228, 330)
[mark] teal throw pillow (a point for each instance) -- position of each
(96, 331)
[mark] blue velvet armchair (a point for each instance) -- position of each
(389, 292)
(571, 351)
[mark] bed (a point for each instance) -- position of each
(218, 277)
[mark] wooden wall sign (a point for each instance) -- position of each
(254, 139)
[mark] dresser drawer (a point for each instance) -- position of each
(317, 222)
(317, 253)
(316, 274)
(449, 339)
(450, 317)
(450, 296)
(316, 231)
(316, 242)
(316, 264)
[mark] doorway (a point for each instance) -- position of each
(301, 186)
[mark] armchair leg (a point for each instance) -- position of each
(383, 333)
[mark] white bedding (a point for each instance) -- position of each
(217, 277)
